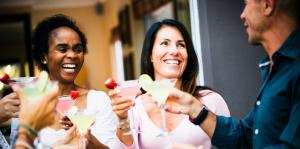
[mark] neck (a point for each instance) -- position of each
(281, 27)
(65, 89)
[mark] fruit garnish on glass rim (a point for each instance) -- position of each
(74, 94)
(110, 83)
(4, 78)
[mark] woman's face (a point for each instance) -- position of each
(169, 55)
(65, 56)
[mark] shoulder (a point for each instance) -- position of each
(214, 102)
(97, 98)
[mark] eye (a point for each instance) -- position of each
(78, 48)
(62, 48)
(164, 43)
(181, 45)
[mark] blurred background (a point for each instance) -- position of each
(115, 30)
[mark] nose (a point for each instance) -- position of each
(242, 16)
(174, 48)
(71, 53)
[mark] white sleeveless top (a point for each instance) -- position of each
(103, 129)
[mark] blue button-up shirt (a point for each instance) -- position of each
(274, 121)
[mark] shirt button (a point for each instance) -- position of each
(258, 103)
(256, 131)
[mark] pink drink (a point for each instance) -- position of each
(130, 90)
(64, 104)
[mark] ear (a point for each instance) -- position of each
(151, 58)
(269, 7)
(44, 59)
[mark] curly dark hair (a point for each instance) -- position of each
(190, 73)
(41, 34)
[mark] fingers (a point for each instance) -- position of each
(122, 104)
(176, 93)
(66, 123)
(113, 93)
(176, 109)
(12, 95)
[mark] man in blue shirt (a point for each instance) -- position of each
(274, 121)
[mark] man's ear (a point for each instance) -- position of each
(269, 7)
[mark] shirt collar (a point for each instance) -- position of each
(291, 47)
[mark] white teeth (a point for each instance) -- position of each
(69, 70)
(176, 62)
(69, 66)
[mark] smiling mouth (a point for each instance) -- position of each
(69, 68)
(172, 62)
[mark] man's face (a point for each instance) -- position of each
(255, 22)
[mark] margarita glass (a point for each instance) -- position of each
(34, 87)
(64, 103)
(159, 91)
(130, 89)
(82, 118)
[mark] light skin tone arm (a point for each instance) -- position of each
(40, 115)
(121, 105)
(184, 103)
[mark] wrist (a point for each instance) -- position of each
(123, 124)
(27, 129)
(201, 116)
(195, 109)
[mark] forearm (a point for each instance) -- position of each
(209, 124)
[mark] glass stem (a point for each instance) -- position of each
(132, 119)
(163, 115)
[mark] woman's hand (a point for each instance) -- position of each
(120, 104)
(183, 103)
(65, 122)
(40, 113)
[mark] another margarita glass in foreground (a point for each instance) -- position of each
(82, 118)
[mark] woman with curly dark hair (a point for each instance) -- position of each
(59, 47)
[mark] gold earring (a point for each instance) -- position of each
(44, 62)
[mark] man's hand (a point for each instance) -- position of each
(9, 107)
(183, 103)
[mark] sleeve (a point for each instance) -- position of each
(216, 104)
(230, 133)
(290, 137)
(105, 125)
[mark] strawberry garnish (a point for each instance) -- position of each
(74, 94)
(4, 78)
(110, 83)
